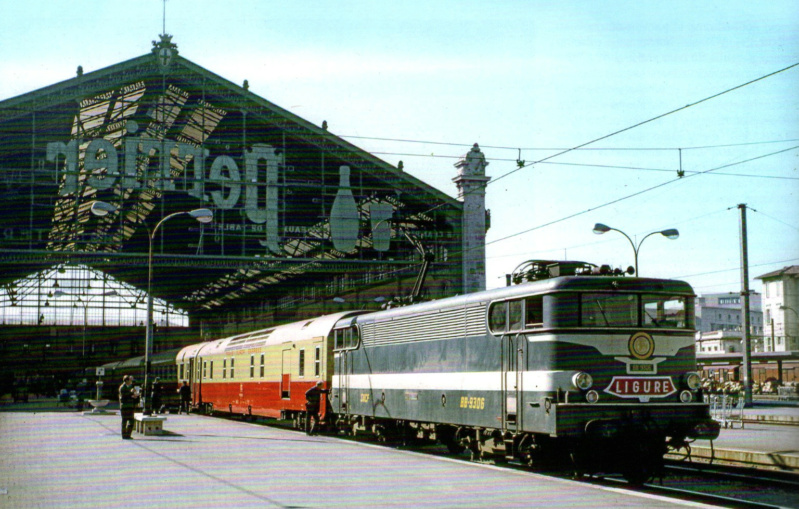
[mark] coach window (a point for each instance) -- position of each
(496, 317)
(180, 372)
(232, 367)
(211, 370)
(317, 363)
(302, 362)
(262, 365)
(252, 366)
(534, 312)
(224, 368)
(205, 369)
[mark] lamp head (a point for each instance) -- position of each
(202, 215)
(58, 293)
(600, 228)
(101, 208)
(671, 233)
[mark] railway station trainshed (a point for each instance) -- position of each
(304, 222)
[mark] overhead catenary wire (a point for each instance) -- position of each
(719, 94)
(530, 149)
(637, 193)
(589, 165)
(639, 124)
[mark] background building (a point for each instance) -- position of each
(781, 309)
(719, 319)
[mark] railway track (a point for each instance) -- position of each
(716, 484)
(720, 485)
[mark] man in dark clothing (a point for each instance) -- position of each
(155, 396)
(313, 398)
(185, 397)
(128, 400)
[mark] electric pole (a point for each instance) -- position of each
(746, 368)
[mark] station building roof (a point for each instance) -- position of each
(158, 134)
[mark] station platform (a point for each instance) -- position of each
(68, 459)
(58, 457)
(766, 437)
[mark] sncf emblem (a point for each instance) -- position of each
(641, 387)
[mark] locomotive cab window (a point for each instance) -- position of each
(496, 317)
(665, 311)
(534, 312)
(516, 315)
(609, 310)
(346, 339)
(515, 309)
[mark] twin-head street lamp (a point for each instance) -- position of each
(670, 234)
(201, 215)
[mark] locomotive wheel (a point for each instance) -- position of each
(449, 437)
(454, 447)
(642, 463)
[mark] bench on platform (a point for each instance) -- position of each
(149, 424)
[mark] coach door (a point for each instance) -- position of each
(513, 366)
(285, 375)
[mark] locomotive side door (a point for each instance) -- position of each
(342, 371)
(513, 366)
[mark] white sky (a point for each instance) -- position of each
(530, 75)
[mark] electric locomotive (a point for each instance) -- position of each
(591, 367)
(578, 364)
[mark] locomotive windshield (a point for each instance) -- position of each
(591, 309)
(633, 310)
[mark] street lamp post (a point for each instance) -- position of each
(100, 208)
(670, 234)
(202, 216)
(789, 308)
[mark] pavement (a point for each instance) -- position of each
(67, 459)
(53, 456)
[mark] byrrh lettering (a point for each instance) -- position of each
(100, 154)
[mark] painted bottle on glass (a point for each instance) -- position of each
(344, 217)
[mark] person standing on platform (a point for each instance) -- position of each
(155, 396)
(313, 398)
(128, 400)
(185, 397)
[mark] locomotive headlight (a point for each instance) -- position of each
(693, 381)
(686, 396)
(592, 396)
(582, 380)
